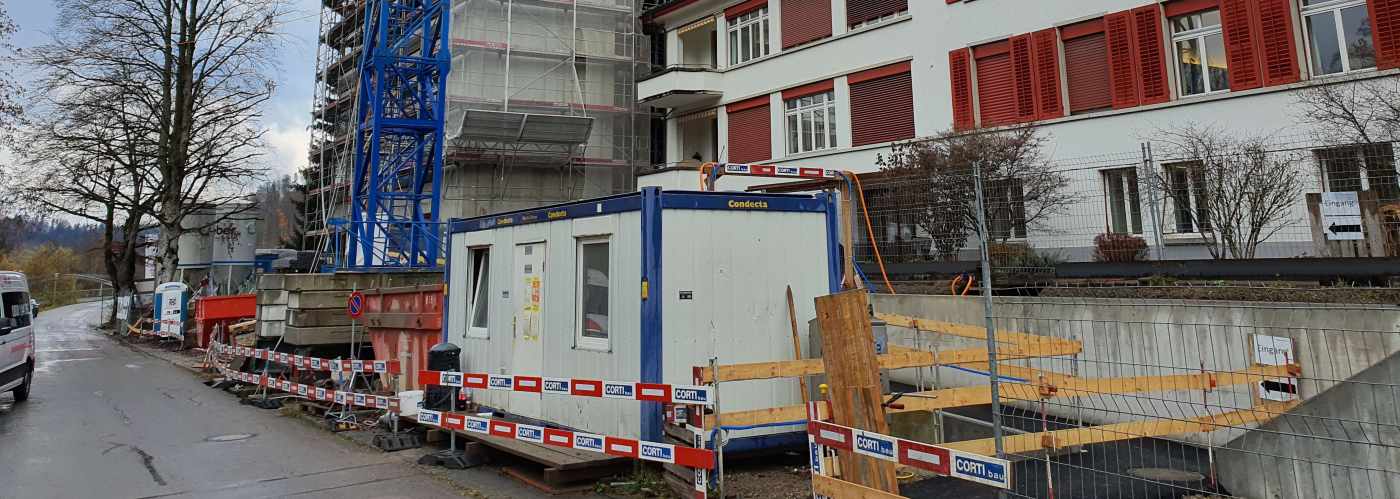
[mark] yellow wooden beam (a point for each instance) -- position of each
(898, 358)
(841, 489)
(1058, 386)
(1034, 442)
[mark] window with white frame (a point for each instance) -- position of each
(1120, 186)
(1005, 203)
(593, 329)
(480, 295)
(1339, 36)
(811, 122)
(748, 36)
(1200, 53)
(1189, 197)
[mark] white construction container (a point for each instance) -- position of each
(641, 287)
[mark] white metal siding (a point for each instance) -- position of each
(737, 265)
(494, 354)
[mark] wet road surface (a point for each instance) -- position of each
(107, 421)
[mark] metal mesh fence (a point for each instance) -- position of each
(1202, 317)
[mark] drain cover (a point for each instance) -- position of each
(1166, 474)
(232, 437)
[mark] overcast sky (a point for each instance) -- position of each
(286, 116)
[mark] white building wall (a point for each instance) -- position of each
(927, 34)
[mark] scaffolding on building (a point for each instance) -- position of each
(541, 109)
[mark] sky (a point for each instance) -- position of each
(288, 114)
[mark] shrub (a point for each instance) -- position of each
(1119, 248)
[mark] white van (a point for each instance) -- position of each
(16, 336)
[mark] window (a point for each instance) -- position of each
(1086, 69)
(811, 122)
(882, 104)
(17, 307)
(1006, 209)
(1339, 36)
(1186, 189)
(1200, 53)
(480, 282)
(748, 36)
(1120, 187)
(1360, 168)
(593, 328)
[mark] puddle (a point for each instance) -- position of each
(232, 437)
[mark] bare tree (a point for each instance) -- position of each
(199, 72)
(1231, 189)
(1022, 190)
(1359, 112)
(10, 109)
(84, 157)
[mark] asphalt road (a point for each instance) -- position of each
(108, 421)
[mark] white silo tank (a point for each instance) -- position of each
(234, 243)
(194, 245)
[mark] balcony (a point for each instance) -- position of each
(681, 86)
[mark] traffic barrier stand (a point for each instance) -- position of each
(311, 363)
(823, 438)
(697, 458)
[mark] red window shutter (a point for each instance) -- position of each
(961, 85)
(859, 11)
(882, 109)
(805, 21)
(1176, 8)
(808, 89)
(1280, 55)
(1086, 76)
(1152, 67)
(750, 136)
(1241, 46)
(1049, 102)
(1023, 71)
(744, 8)
(1385, 32)
(1122, 69)
(996, 90)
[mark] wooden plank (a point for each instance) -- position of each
(1035, 442)
(853, 378)
(832, 487)
(1064, 385)
(796, 344)
(896, 359)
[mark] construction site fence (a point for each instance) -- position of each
(1202, 198)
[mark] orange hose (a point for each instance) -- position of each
(970, 280)
(870, 231)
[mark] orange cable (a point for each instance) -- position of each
(870, 231)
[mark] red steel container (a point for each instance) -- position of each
(403, 324)
(210, 311)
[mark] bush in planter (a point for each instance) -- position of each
(1119, 248)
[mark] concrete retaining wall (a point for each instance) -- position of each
(1123, 337)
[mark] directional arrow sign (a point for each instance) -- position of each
(1341, 215)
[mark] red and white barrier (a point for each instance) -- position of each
(616, 446)
(941, 460)
(310, 363)
(595, 388)
(309, 392)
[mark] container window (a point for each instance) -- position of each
(16, 307)
(480, 293)
(594, 331)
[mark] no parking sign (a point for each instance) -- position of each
(355, 306)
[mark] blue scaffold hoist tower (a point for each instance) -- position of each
(397, 184)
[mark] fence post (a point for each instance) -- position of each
(990, 319)
(1147, 175)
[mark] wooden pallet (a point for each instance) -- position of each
(556, 469)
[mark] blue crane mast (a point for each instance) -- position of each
(396, 187)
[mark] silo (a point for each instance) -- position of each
(194, 247)
(233, 247)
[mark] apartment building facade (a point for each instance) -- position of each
(834, 83)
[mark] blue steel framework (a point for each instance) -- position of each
(397, 184)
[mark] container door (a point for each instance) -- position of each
(528, 324)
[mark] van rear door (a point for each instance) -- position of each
(15, 344)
